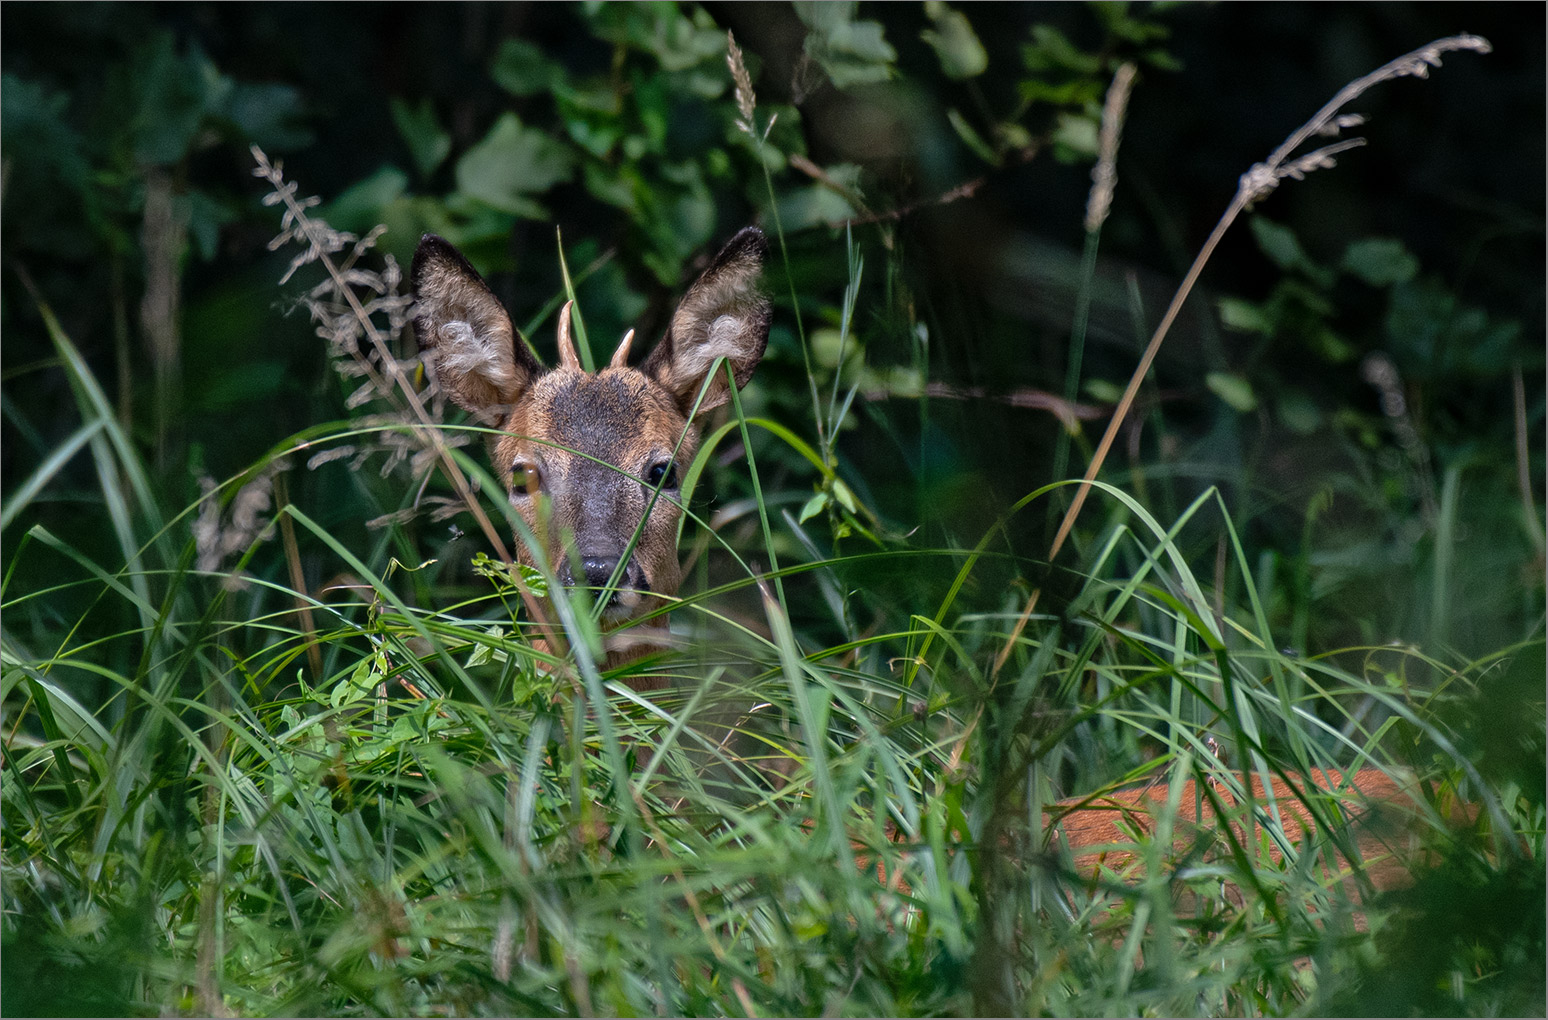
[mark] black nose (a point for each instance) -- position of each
(598, 570)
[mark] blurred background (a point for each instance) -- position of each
(960, 145)
(1359, 373)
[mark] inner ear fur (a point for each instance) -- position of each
(473, 349)
(724, 314)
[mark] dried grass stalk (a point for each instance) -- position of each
(1260, 180)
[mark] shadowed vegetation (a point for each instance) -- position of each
(284, 734)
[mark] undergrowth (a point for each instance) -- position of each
(383, 795)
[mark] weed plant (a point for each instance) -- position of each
(385, 795)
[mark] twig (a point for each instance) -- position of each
(286, 193)
(321, 244)
(1068, 412)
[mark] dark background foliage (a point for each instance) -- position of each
(1346, 373)
(110, 106)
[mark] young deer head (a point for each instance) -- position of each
(593, 460)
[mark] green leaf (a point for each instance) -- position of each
(33, 120)
(521, 68)
(1013, 135)
(480, 231)
(1233, 389)
(1380, 262)
(483, 654)
(172, 96)
(615, 187)
(829, 345)
(813, 205)
(421, 131)
(1245, 316)
(18, 498)
(813, 507)
(898, 380)
(846, 496)
(1278, 242)
(206, 215)
(1330, 346)
(266, 115)
(678, 38)
(1432, 335)
(1050, 50)
(1103, 390)
(361, 205)
(954, 41)
(1161, 60)
(971, 137)
(508, 577)
(1298, 412)
(1282, 247)
(599, 136)
(360, 685)
(1077, 134)
(1117, 19)
(851, 52)
(511, 163)
(1082, 92)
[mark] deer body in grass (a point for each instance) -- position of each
(1368, 812)
(1366, 822)
(593, 461)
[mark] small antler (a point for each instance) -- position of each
(621, 356)
(567, 358)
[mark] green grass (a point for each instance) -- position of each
(231, 830)
(315, 773)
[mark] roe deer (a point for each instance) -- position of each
(591, 460)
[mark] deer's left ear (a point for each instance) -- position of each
(723, 315)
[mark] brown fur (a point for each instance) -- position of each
(581, 453)
(1099, 830)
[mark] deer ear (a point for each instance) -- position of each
(473, 349)
(724, 314)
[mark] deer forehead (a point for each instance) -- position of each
(619, 415)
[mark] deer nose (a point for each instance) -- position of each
(598, 570)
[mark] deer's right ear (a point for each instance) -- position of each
(473, 348)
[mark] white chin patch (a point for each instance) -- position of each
(625, 604)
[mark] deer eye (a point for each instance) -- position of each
(526, 480)
(662, 474)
